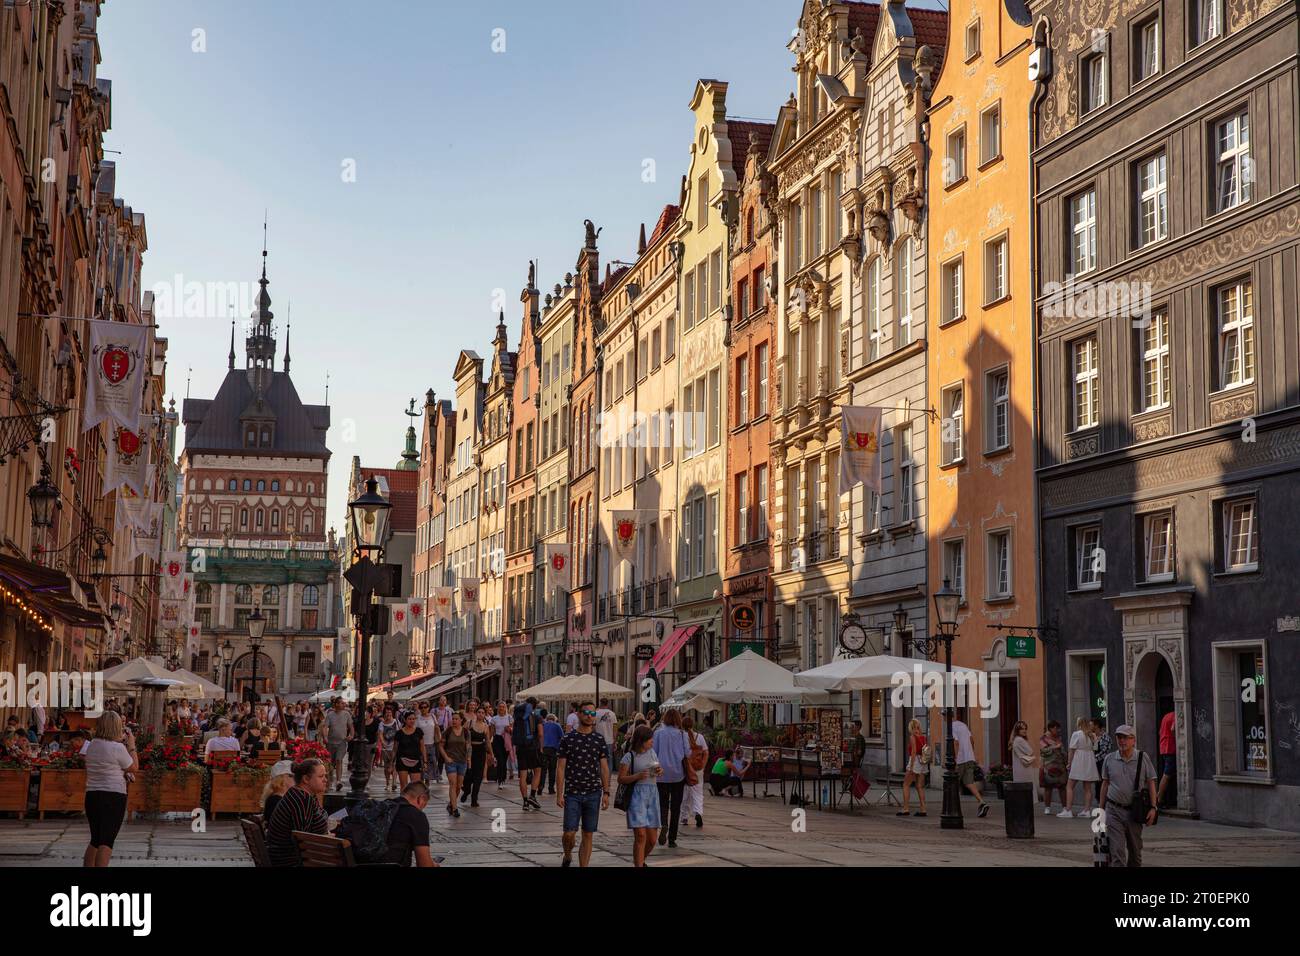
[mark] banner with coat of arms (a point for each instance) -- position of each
(146, 532)
(400, 621)
(442, 603)
(468, 595)
(625, 532)
(126, 462)
(558, 572)
(173, 575)
(119, 362)
(860, 446)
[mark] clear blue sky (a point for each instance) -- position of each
(468, 162)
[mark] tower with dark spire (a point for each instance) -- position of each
(411, 454)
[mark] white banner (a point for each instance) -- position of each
(119, 362)
(860, 447)
(442, 603)
(468, 595)
(126, 462)
(625, 532)
(192, 639)
(173, 575)
(400, 619)
(171, 614)
(146, 534)
(415, 610)
(558, 572)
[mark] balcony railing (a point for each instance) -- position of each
(817, 546)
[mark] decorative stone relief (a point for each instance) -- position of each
(1082, 447)
(1235, 406)
(1149, 429)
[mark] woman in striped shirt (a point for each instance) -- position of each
(299, 809)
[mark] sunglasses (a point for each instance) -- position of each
(589, 713)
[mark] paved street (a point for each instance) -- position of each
(748, 832)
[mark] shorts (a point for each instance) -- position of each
(1169, 764)
(105, 810)
(526, 755)
(915, 766)
(338, 750)
(457, 768)
(584, 807)
(966, 773)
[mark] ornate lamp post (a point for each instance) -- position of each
(946, 603)
(44, 497)
(597, 660)
(256, 628)
(227, 656)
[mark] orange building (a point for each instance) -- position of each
(980, 370)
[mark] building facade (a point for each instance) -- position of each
(981, 493)
(492, 452)
(1166, 242)
(461, 637)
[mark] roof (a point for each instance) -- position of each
(864, 17)
(214, 424)
(612, 278)
(931, 29)
(669, 216)
(741, 131)
(403, 491)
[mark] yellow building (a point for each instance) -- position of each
(981, 360)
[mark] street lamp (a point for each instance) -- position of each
(43, 497)
(369, 515)
(256, 628)
(946, 603)
(227, 655)
(597, 659)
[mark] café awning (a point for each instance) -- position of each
(668, 649)
(48, 592)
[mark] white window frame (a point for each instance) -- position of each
(954, 409)
(903, 293)
(1084, 395)
(1153, 199)
(1236, 333)
(1094, 79)
(1206, 21)
(955, 156)
(1158, 537)
(997, 391)
(1229, 506)
(873, 309)
(1087, 541)
(1083, 232)
(904, 476)
(953, 273)
(998, 567)
(1147, 68)
(997, 268)
(1155, 362)
(954, 571)
(990, 135)
(1232, 161)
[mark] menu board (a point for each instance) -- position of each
(830, 738)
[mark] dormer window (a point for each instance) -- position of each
(250, 437)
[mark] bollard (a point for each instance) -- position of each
(1018, 808)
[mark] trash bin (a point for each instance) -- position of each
(1019, 810)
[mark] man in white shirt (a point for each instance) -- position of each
(224, 740)
(571, 722)
(966, 764)
(605, 721)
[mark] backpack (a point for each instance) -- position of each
(524, 719)
(366, 826)
(699, 755)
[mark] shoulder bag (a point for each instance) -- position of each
(623, 793)
(1140, 805)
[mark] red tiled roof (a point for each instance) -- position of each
(667, 218)
(740, 132)
(931, 29)
(613, 277)
(403, 491)
(864, 16)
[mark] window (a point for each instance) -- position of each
(310, 619)
(1153, 204)
(873, 310)
(796, 235)
(1094, 82)
(742, 389)
(701, 291)
(715, 407)
(688, 300)
(1155, 362)
(701, 532)
(904, 296)
(742, 299)
(760, 290)
(243, 519)
(1240, 536)
(997, 401)
(818, 199)
(1236, 334)
(248, 485)
(702, 202)
(954, 565)
(1088, 561)
(1232, 163)
(643, 359)
(243, 594)
(999, 564)
(1083, 232)
(1158, 546)
(991, 134)
(954, 164)
(836, 213)
(670, 337)
(261, 485)
(760, 496)
(1085, 402)
(1206, 21)
(656, 348)
(670, 435)
(952, 428)
(995, 269)
(972, 40)
(306, 662)
(232, 485)
(203, 593)
(742, 509)
(1146, 49)
(904, 474)
(951, 291)
(760, 359)
(714, 519)
(715, 285)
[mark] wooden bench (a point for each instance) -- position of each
(323, 851)
(256, 840)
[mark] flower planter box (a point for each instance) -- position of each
(173, 792)
(237, 792)
(13, 791)
(63, 791)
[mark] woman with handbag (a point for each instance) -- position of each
(918, 768)
(638, 793)
(693, 799)
(408, 750)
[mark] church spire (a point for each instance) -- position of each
(232, 343)
(287, 326)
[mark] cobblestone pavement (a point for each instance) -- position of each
(737, 832)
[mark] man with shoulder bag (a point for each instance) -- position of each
(1128, 795)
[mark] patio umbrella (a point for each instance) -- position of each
(872, 673)
(128, 676)
(207, 689)
(545, 690)
(583, 687)
(748, 678)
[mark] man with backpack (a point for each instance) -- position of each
(525, 737)
(390, 831)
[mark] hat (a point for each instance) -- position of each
(281, 766)
(1125, 730)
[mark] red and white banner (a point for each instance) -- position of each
(860, 446)
(625, 532)
(442, 602)
(119, 362)
(126, 462)
(415, 608)
(559, 574)
(400, 619)
(146, 529)
(468, 595)
(192, 638)
(173, 575)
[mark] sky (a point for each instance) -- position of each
(410, 157)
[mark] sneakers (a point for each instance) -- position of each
(566, 862)
(532, 801)
(338, 787)
(699, 820)
(983, 811)
(672, 844)
(663, 837)
(1065, 815)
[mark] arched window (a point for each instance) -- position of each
(310, 595)
(270, 596)
(203, 593)
(275, 517)
(248, 485)
(873, 310)
(288, 517)
(258, 519)
(261, 485)
(243, 518)
(275, 486)
(311, 488)
(243, 594)
(288, 485)
(232, 485)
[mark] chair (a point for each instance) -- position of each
(316, 850)
(256, 841)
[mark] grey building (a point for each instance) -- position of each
(1169, 387)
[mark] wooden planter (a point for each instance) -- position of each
(13, 791)
(62, 790)
(173, 792)
(237, 792)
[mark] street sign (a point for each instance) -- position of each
(739, 647)
(1021, 646)
(742, 615)
(645, 652)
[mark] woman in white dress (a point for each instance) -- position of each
(1083, 768)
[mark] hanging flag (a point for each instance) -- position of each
(146, 532)
(860, 446)
(625, 531)
(173, 575)
(171, 613)
(126, 462)
(416, 611)
(558, 572)
(119, 362)
(400, 622)
(192, 638)
(442, 603)
(468, 595)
